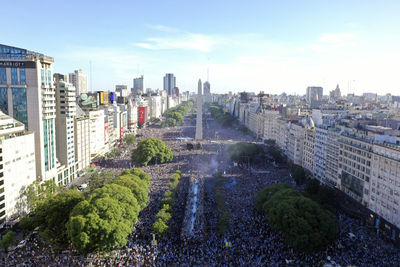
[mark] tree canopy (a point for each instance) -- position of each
(104, 220)
(245, 152)
(129, 139)
(152, 150)
(304, 224)
(7, 240)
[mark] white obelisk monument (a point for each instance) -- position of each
(199, 118)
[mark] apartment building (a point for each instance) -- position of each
(17, 167)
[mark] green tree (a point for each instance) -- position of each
(245, 152)
(138, 187)
(97, 180)
(151, 150)
(299, 175)
(104, 220)
(27, 223)
(36, 193)
(312, 187)
(53, 214)
(130, 139)
(304, 224)
(7, 240)
(267, 192)
(164, 215)
(160, 227)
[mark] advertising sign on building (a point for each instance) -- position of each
(142, 114)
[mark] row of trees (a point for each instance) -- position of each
(115, 152)
(175, 116)
(220, 116)
(160, 226)
(97, 222)
(305, 225)
(223, 213)
(152, 151)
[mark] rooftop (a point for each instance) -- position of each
(10, 52)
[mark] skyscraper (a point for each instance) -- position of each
(27, 94)
(79, 80)
(138, 85)
(169, 83)
(314, 93)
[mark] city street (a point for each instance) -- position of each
(251, 241)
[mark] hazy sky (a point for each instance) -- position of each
(273, 46)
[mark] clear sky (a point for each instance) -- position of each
(274, 46)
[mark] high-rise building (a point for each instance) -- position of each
(206, 88)
(17, 161)
(27, 94)
(314, 93)
(81, 139)
(79, 80)
(138, 85)
(66, 111)
(169, 83)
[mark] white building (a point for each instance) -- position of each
(66, 111)
(332, 157)
(79, 80)
(132, 115)
(17, 167)
(81, 139)
(96, 132)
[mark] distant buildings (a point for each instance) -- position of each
(169, 83)
(314, 93)
(138, 85)
(79, 81)
(335, 94)
(122, 90)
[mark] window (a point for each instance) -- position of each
(22, 78)
(19, 105)
(3, 76)
(4, 100)
(42, 76)
(14, 76)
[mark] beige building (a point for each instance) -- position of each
(355, 162)
(295, 143)
(96, 132)
(17, 167)
(308, 149)
(269, 124)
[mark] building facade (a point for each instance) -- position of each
(80, 81)
(27, 94)
(17, 167)
(169, 83)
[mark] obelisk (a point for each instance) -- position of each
(199, 118)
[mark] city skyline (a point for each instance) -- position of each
(270, 47)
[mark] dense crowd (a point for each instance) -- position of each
(249, 241)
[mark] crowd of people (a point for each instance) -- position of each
(248, 241)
